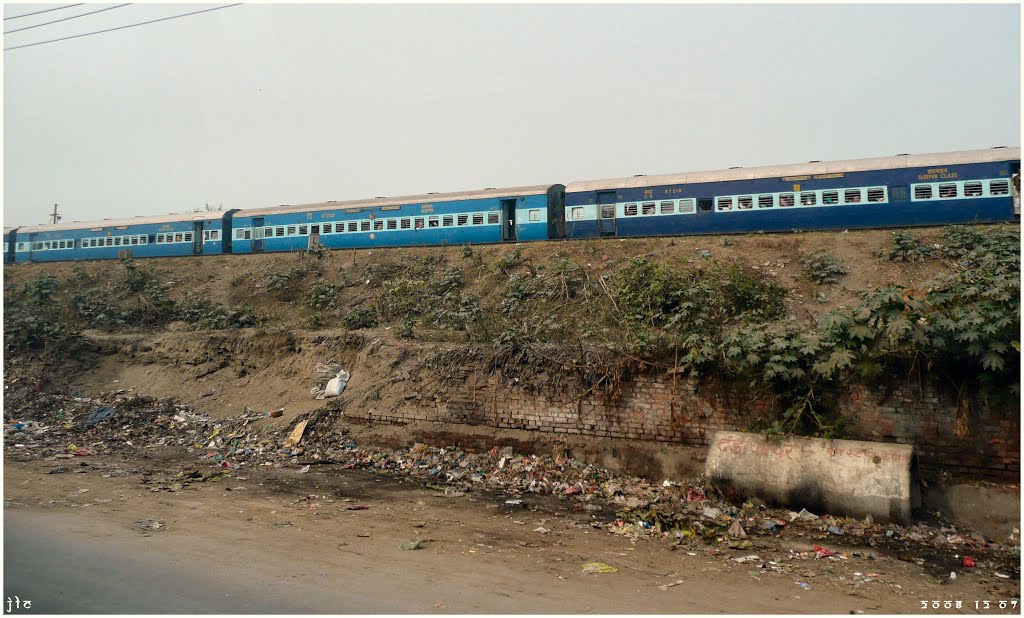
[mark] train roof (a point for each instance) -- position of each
(802, 169)
(393, 201)
(105, 223)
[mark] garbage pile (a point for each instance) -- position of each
(63, 426)
(687, 514)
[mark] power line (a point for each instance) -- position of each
(75, 36)
(47, 23)
(46, 11)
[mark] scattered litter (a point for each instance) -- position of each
(150, 525)
(969, 562)
(667, 586)
(304, 469)
(803, 515)
(952, 574)
(804, 585)
(750, 558)
(356, 507)
(1002, 576)
(736, 531)
(412, 545)
(541, 529)
(598, 567)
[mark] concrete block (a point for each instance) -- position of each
(839, 477)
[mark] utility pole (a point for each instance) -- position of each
(55, 217)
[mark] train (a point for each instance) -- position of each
(975, 186)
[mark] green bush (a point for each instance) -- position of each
(823, 268)
(361, 318)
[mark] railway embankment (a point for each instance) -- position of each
(628, 353)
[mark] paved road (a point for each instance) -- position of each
(64, 569)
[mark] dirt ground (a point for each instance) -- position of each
(479, 555)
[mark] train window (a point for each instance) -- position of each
(923, 192)
(577, 213)
(947, 189)
(705, 204)
(291, 231)
(110, 241)
(998, 187)
(405, 224)
(649, 208)
(418, 223)
(392, 224)
(765, 201)
(668, 208)
(534, 215)
(829, 197)
(447, 221)
(143, 240)
(364, 226)
(876, 194)
(851, 196)
(239, 234)
(462, 219)
(188, 237)
(786, 200)
(378, 224)
(433, 222)
(725, 203)
(303, 230)
(478, 218)
(135, 240)
(686, 205)
(808, 198)
(215, 235)
(745, 202)
(972, 189)
(629, 210)
(492, 218)
(21, 246)
(280, 231)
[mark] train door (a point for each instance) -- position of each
(606, 213)
(257, 235)
(1015, 189)
(508, 220)
(314, 236)
(197, 237)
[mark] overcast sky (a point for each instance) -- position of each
(263, 104)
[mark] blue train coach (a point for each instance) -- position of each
(977, 186)
(487, 216)
(137, 237)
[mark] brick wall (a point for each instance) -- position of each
(678, 410)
